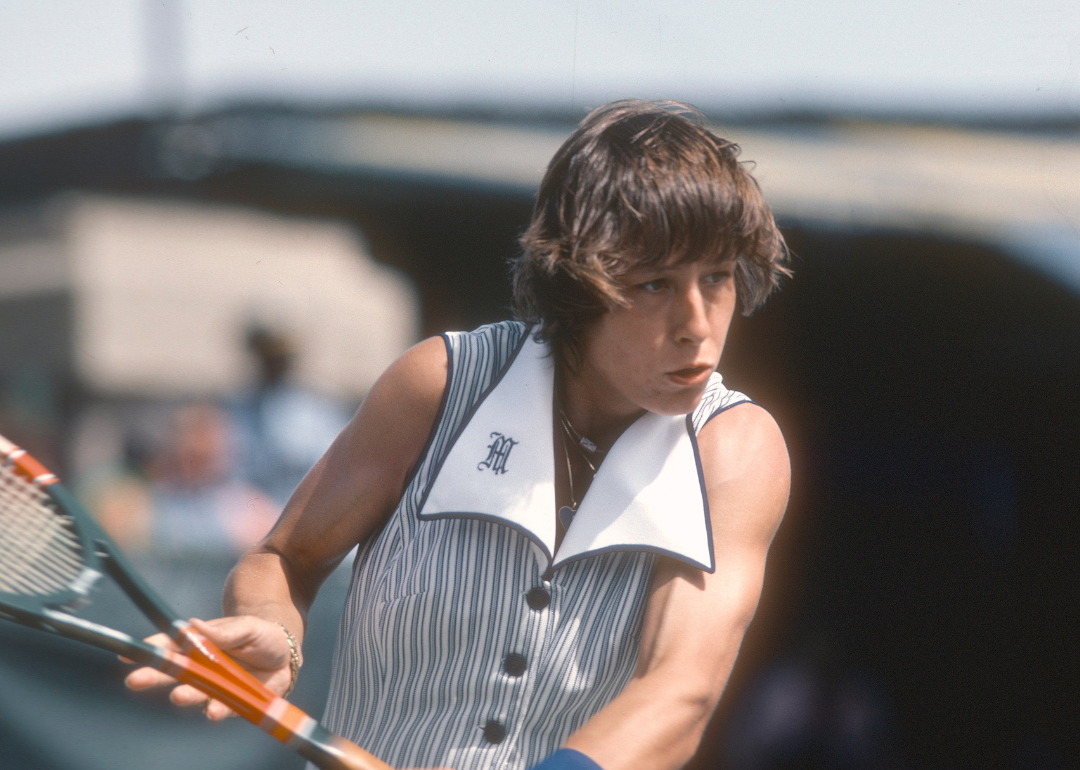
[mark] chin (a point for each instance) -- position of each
(678, 404)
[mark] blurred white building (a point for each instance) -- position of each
(156, 297)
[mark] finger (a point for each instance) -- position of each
(216, 711)
(231, 633)
(252, 641)
(160, 640)
(144, 678)
(186, 695)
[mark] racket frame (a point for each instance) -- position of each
(197, 661)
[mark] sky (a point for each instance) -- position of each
(67, 62)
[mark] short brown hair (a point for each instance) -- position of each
(639, 184)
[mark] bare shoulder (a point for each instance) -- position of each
(747, 471)
(354, 487)
(741, 438)
(418, 375)
(394, 421)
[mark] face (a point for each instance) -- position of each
(658, 353)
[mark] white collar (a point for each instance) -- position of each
(648, 495)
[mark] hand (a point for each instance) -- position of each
(258, 645)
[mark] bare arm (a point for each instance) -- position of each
(346, 497)
(343, 500)
(694, 622)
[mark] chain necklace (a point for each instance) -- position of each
(586, 447)
(588, 452)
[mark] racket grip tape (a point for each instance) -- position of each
(219, 676)
(276, 716)
(200, 649)
(311, 740)
(332, 752)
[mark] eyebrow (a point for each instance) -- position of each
(714, 261)
(720, 260)
(651, 272)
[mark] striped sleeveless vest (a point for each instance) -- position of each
(464, 640)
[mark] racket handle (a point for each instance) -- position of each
(273, 714)
(276, 716)
(337, 753)
(314, 742)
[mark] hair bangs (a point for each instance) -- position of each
(640, 184)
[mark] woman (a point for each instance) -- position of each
(563, 520)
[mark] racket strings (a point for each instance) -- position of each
(40, 554)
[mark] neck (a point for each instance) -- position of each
(590, 408)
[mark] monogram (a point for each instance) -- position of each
(498, 453)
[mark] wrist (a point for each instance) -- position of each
(294, 658)
(567, 759)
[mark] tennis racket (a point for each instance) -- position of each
(51, 554)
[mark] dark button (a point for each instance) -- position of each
(515, 664)
(494, 732)
(538, 598)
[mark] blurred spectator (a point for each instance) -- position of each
(199, 503)
(189, 497)
(285, 428)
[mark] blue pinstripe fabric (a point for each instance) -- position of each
(437, 605)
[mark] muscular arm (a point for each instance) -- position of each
(694, 622)
(346, 497)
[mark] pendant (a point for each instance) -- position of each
(566, 515)
(589, 446)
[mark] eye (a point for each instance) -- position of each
(656, 284)
(719, 276)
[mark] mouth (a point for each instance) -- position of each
(692, 375)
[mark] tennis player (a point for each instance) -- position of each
(563, 520)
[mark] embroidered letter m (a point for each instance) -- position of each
(498, 453)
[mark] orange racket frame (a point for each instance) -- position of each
(196, 661)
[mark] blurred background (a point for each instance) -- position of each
(219, 221)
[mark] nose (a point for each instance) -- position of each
(691, 316)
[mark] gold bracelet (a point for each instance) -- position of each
(294, 659)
